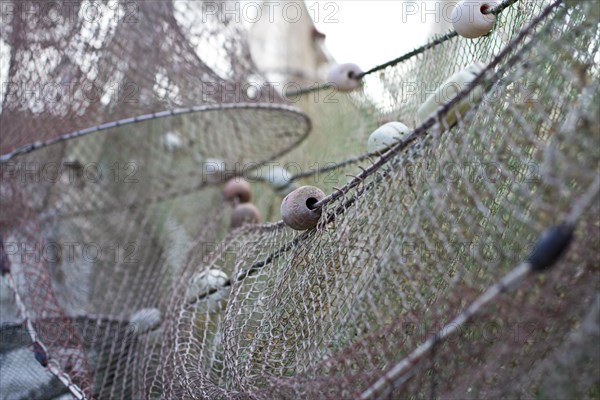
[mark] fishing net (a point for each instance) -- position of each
(427, 276)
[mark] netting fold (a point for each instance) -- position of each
(398, 292)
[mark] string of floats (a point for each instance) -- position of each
(405, 57)
(390, 154)
(175, 112)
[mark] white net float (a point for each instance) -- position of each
(172, 141)
(386, 136)
(448, 91)
(145, 320)
(205, 282)
(469, 20)
(278, 177)
(344, 77)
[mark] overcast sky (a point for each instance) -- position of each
(370, 32)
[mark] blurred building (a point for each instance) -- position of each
(286, 45)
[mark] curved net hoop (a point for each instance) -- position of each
(104, 61)
(153, 158)
(97, 227)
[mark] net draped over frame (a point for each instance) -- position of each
(406, 242)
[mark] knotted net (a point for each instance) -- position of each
(407, 288)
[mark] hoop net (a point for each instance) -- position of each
(407, 288)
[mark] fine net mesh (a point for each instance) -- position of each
(104, 271)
